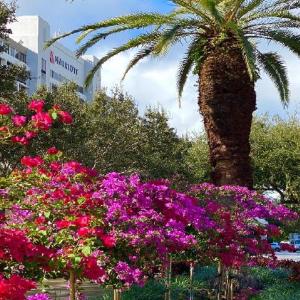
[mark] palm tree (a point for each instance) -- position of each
(222, 38)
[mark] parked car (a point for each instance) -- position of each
(275, 246)
(287, 246)
(296, 244)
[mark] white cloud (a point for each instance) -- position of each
(153, 83)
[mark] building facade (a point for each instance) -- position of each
(14, 54)
(54, 65)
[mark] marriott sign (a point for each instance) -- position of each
(54, 59)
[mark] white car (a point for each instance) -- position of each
(275, 246)
(296, 244)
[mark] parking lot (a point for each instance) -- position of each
(288, 255)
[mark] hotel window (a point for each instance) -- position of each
(44, 65)
(53, 87)
(12, 51)
(57, 76)
(80, 89)
(21, 56)
(6, 48)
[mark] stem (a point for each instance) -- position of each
(72, 285)
(220, 280)
(169, 279)
(117, 294)
(191, 281)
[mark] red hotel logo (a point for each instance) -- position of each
(52, 57)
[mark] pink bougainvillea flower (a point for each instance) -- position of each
(36, 105)
(65, 117)
(20, 140)
(19, 121)
(32, 162)
(42, 120)
(30, 134)
(5, 109)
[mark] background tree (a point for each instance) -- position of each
(276, 156)
(223, 52)
(197, 159)
(114, 133)
(9, 74)
(162, 149)
(107, 133)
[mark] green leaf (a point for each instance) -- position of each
(47, 214)
(81, 200)
(86, 250)
(54, 115)
(77, 259)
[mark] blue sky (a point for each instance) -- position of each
(153, 81)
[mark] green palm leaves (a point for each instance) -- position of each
(204, 25)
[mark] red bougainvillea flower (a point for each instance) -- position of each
(31, 162)
(83, 231)
(82, 221)
(63, 224)
(20, 140)
(3, 129)
(92, 270)
(42, 120)
(19, 121)
(52, 151)
(15, 288)
(5, 109)
(30, 134)
(36, 105)
(65, 117)
(108, 241)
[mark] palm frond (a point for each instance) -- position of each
(248, 51)
(212, 10)
(138, 57)
(193, 55)
(249, 7)
(167, 38)
(287, 38)
(100, 36)
(275, 68)
(133, 43)
(190, 7)
(280, 14)
(135, 20)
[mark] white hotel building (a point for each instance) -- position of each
(49, 67)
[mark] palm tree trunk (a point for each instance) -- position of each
(227, 101)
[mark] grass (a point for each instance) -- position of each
(276, 285)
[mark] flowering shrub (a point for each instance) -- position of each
(14, 288)
(113, 229)
(39, 297)
(240, 234)
(294, 267)
(17, 252)
(116, 230)
(21, 129)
